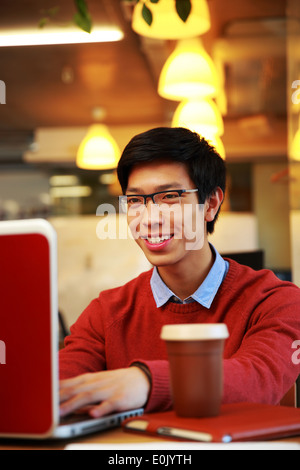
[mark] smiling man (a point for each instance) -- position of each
(162, 222)
(173, 185)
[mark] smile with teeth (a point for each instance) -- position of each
(157, 240)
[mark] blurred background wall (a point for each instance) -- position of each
(55, 93)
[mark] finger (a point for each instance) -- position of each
(77, 402)
(77, 389)
(105, 408)
(80, 396)
(74, 381)
(67, 394)
(84, 410)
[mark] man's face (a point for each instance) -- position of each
(171, 232)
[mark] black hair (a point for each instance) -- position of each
(204, 165)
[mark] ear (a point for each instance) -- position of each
(212, 205)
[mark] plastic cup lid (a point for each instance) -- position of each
(194, 332)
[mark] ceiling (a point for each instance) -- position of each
(58, 86)
(115, 76)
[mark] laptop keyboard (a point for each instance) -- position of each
(74, 418)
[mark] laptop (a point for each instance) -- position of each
(29, 338)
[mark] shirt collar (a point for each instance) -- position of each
(205, 293)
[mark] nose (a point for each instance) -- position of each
(150, 199)
(151, 216)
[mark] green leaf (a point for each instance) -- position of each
(43, 22)
(83, 22)
(82, 18)
(147, 15)
(48, 16)
(183, 8)
(82, 7)
(154, 1)
(53, 11)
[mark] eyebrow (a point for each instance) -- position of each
(161, 187)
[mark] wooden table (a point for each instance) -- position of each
(114, 436)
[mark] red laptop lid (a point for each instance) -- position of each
(27, 328)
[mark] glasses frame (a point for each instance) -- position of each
(123, 198)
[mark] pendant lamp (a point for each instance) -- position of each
(167, 24)
(217, 143)
(98, 150)
(202, 115)
(189, 72)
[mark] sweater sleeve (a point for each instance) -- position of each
(160, 398)
(263, 370)
(84, 349)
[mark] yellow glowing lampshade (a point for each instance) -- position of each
(216, 142)
(98, 150)
(166, 22)
(203, 115)
(189, 72)
(295, 147)
(213, 140)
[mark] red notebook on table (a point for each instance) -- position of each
(237, 422)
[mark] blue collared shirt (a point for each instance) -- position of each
(205, 293)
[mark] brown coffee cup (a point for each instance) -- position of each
(195, 353)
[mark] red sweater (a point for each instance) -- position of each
(261, 312)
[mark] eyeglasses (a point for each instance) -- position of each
(136, 201)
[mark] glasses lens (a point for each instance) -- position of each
(169, 197)
(134, 202)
